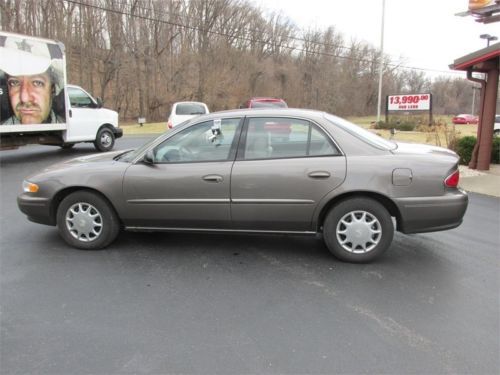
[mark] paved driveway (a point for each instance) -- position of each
(178, 303)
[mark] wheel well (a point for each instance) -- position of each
(58, 198)
(107, 126)
(383, 200)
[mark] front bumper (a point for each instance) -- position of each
(37, 209)
(118, 132)
(430, 214)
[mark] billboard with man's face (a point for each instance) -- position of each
(32, 79)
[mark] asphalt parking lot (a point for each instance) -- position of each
(240, 304)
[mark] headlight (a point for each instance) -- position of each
(30, 187)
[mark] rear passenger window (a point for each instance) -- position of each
(285, 138)
(320, 145)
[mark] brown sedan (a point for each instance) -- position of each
(226, 172)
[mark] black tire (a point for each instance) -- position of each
(67, 146)
(374, 230)
(105, 140)
(74, 216)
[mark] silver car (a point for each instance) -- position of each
(227, 172)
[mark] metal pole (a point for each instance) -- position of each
(381, 67)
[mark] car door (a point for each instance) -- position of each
(278, 181)
(187, 184)
(82, 115)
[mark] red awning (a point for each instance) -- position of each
(473, 60)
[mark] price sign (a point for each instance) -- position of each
(411, 102)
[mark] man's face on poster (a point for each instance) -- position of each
(31, 97)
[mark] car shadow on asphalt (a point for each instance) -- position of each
(264, 260)
(408, 254)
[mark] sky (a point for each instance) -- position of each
(418, 33)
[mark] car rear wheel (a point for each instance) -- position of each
(87, 221)
(105, 140)
(358, 230)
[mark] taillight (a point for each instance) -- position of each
(452, 180)
(169, 124)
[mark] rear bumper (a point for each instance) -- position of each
(430, 214)
(37, 209)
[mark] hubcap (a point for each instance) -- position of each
(84, 222)
(105, 139)
(358, 232)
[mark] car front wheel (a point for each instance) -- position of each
(358, 230)
(87, 221)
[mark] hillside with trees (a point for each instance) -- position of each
(140, 56)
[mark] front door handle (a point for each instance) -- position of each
(213, 178)
(319, 174)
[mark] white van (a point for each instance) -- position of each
(36, 104)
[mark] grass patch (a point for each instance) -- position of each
(152, 128)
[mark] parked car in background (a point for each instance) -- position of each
(182, 111)
(465, 119)
(496, 127)
(264, 102)
(224, 172)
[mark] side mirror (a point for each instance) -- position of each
(99, 102)
(149, 158)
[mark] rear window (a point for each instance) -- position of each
(361, 133)
(190, 109)
(268, 104)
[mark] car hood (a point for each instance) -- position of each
(104, 158)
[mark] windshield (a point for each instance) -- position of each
(190, 109)
(128, 156)
(361, 133)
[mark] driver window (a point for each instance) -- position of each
(79, 99)
(199, 143)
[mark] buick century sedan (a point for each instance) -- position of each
(228, 172)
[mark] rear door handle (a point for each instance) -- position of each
(213, 178)
(319, 174)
